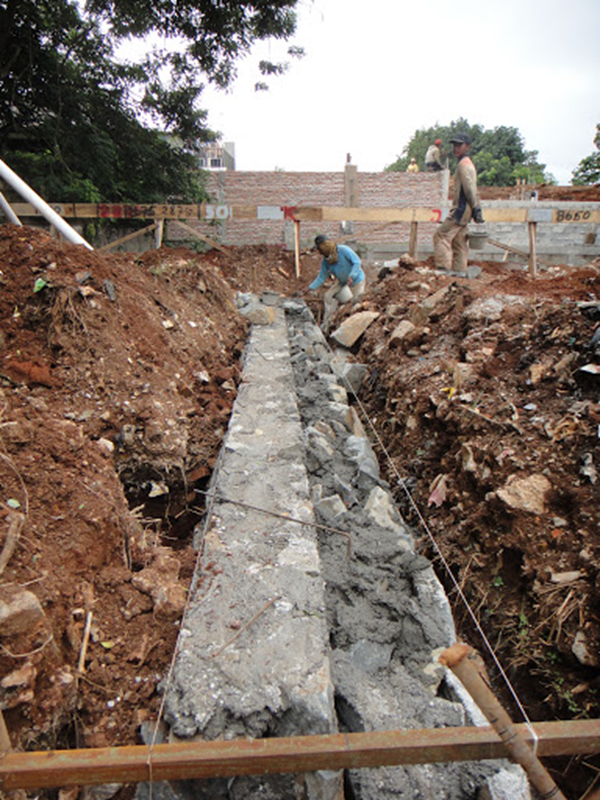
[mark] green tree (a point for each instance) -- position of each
(79, 123)
(588, 170)
(498, 154)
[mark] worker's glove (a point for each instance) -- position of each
(478, 215)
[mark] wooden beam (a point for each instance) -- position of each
(568, 213)
(128, 238)
(523, 253)
(201, 760)
(196, 234)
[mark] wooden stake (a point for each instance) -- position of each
(85, 642)
(412, 244)
(532, 227)
(160, 227)
(5, 745)
(469, 668)
(297, 247)
(15, 521)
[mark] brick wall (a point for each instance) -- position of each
(375, 189)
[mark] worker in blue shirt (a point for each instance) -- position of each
(344, 265)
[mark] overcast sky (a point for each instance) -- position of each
(376, 72)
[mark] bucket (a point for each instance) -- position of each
(344, 294)
(477, 237)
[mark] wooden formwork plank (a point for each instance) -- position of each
(572, 213)
(201, 760)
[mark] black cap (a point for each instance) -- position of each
(320, 239)
(460, 138)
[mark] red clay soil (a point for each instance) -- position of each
(556, 194)
(117, 377)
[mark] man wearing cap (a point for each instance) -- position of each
(450, 248)
(433, 161)
(344, 265)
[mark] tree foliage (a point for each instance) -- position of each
(588, 170)
(78, 122)
(498, 154)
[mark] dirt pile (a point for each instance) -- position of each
(486, 395)
(118, 374)
(556, 194)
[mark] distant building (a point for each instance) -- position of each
(217, 156)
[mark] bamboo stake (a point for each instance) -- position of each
(469, 668)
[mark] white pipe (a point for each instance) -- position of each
(8, 212)
(41, 206)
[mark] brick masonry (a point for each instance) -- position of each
(374, 189)
(571, 244)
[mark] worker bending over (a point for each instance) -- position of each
(450, 247)
(344, 265)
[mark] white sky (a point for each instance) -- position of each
(376, 72)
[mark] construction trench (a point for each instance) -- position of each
(311, 611)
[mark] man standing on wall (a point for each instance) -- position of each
(450, 248)
(344, 265)
(433, 160)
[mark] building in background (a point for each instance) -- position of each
(217, 156)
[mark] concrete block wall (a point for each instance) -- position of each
(374, 189)
(573, 243)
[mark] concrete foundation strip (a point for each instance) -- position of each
(245, 626)
(287, 517)
(203, 760)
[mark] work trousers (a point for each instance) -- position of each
(331, 303)
(450, 247)
(433, 167)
